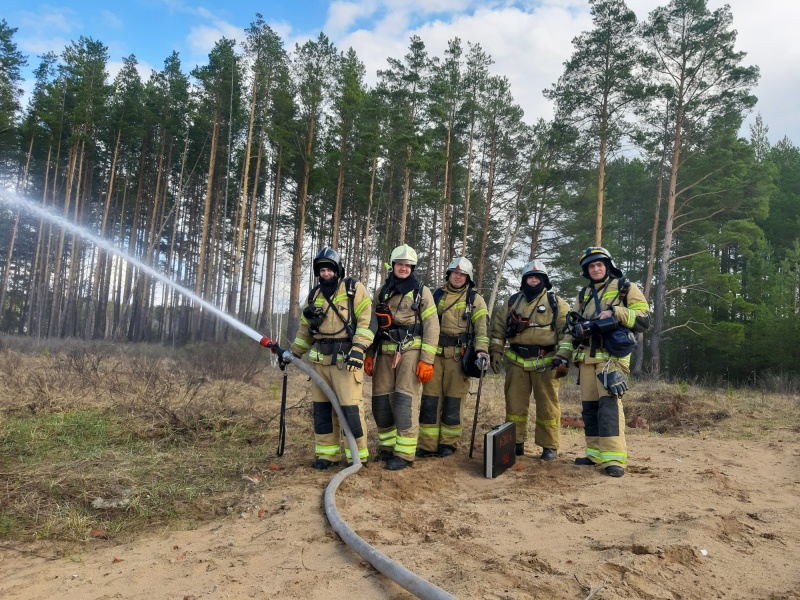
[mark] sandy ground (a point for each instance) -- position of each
(695, 517)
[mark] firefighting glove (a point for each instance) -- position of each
(497, 361)
(424, 372)
(355, 359)
(483, 361)
(282, 363)
(561, 366)
(615, 382)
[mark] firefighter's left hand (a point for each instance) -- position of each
(483, 360)
(561, 366)
(355, 359)
(424, 372)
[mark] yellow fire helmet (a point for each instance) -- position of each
(404, 254)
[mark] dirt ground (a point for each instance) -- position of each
(700, 514)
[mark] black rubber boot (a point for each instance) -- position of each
(396, 463)
(549, 453)
(383, 455)
(584, 461)
(446, 450)
(420, 453)
(615, 471)
(321, 464)
(520, 449)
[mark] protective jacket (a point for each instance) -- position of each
(463, 314)
(452, 310)
(330, 341)
(534, 346)
(413, 328)
(629, 307)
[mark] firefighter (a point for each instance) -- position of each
(599, 340)
(402, 359)
(463, 321)
(336, 328)
(532, 323)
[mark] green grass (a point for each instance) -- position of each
(54, 466)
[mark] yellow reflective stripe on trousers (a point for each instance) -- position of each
(363, 454)
(516, 419)
(406, 445)
(429, 431)
(387, 439)
(620, 457)
(547, 422)
(593, 453)
(451, 431)
(326, 450)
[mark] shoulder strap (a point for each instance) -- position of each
(551, 297)
(471, 297)
(582, 296)
(415, 305)
(311, 295)
(350, 286)
(513, 299)
(349, 326)
(437, 295)
(624, 287)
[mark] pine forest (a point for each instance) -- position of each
(229, 177)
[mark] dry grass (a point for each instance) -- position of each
(98, 440)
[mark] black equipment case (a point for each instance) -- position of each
(499, 447)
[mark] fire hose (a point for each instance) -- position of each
(406, 579)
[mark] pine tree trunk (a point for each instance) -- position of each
(202, 250)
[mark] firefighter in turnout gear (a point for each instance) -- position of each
(532, 323)
(600, 340)
(336, 328)
(408, 332)
(463, 321)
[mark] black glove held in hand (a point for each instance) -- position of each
(561, 366)
(355, 359)
(615, 382)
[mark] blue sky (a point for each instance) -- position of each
(528, 39)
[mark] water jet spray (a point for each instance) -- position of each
(400, 575)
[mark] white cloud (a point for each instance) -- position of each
(344, 15)
(527, 47)
(113, 67)
(44, 30)
(530, 43)
(111, 20)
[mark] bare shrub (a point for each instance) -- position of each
(241, 360)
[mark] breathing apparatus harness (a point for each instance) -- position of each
(516, 323)
(316, 316)
(390, 331)
(594, 330)
(463, 341)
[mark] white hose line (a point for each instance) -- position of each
(409, 581)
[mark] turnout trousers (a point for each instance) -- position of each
(347, 385)
(603, 418)
(543, 384)
(442, 405)
(395, 403)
